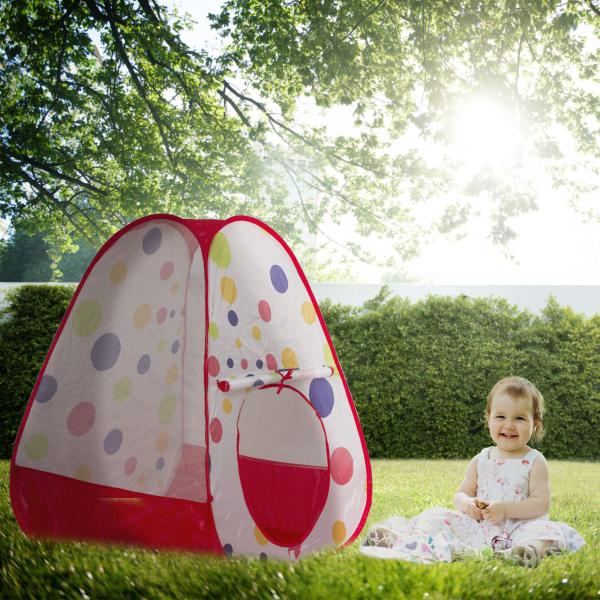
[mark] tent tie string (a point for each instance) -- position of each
(284, 378)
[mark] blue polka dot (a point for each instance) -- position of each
(230, 363)
(105, 352)
(228, 549)
(47, 389)
(151, 241)
(232, 317)
(320, 393)
(113, 441)
(259, 364)
(258, 383)
(172, 314)
(143, 364)
(279, 279)
(175, 347)
(160, 464)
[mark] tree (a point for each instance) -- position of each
(92, 137)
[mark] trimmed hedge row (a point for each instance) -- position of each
(419, 373)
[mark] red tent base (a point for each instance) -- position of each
(53, 506)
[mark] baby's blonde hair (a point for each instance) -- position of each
(519, 387)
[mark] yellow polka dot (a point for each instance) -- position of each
(338, 532)
(238, 343)
(227, 406)
(175, 288)
(122, 389)
(86, 317)
(117, 272)
(162, 344)
(288, 359)
(36, 446)
(328, 358)
(220, 252)
(142, 316)
(83, 472)
(162, 441)
(228, 289)
(172, 374)
(260, 538)
(308, 312)
(256, 332)
(166, 409)
(213, 330)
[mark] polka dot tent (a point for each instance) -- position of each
(130, 399)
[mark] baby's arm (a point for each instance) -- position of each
(465, 499)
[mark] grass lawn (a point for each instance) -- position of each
(37, 569)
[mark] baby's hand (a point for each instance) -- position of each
(472, 510)
(494, 513)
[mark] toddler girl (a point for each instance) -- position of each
(502, 502)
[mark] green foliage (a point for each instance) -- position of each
(420, 373)
(28, 325)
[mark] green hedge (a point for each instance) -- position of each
(419, 373)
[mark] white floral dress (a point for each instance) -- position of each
(440, 534)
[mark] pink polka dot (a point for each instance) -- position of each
(271, 362)
(81, 418)
(216, 430)
(167, 270)
(130, 465)
(161, 315)
(342, 466)
(213, 366)
(264, 310)
(244, 363)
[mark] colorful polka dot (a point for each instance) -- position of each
(216, 430)
(238, 343)
(113, 441)
(244, 363)
(264, 311)
(260, 538)
(161, 315)
(166, 409)
(142, 316)
(338, 532)
(151, 241)
(130, 465)
(213, 330)
(220, 252)
(308, 312)
(162, 442)
(160, 464)
(46, 389)
(228, 549)
(289, 359)
(230, 363)
(122, 389)
(259, 364)
(143, 365)
(167, 270)
(271, 362)
(232, 318)
(175, 288)
(172, 314)
(175, 347)
(172, 375)
(105, 352)
(36, 446)
(162, 344)
(256, 334)
(86, 317)
(228, 289)
(321, 396)
(227, 406)
(117, 273)
(83, 473)
(341, 465)
(81, 418)
(213, 366)
(279, 279)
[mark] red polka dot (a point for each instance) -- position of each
(264, 310)
(167, 270)
(130, 465)
(216, 430)
(213, 366)
(342, 466)
(244, 363)
(271, 362)
(81, 418)
(161, 315)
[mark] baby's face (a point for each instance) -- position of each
(511, 422)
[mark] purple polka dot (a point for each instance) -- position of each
(160, 464)
(152, 239)
(232, 317)
(143, 364)
(175, 347)
(172, 314)
(258, 383)
(228, 549)
(113, 441)
(278, 279)
(320, 393)
(47, 389)
(259, 364)
(105, 352)
(230, 363)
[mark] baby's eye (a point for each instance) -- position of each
(499, 416)
(521, 418)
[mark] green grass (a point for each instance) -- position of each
(41, 569)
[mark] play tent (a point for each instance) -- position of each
(192, 399)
